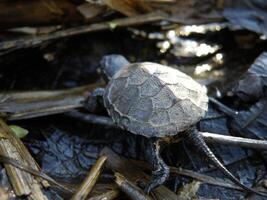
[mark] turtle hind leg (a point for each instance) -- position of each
(197, 140)
(161, 170)
(94, 100)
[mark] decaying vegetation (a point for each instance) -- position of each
(49, 56)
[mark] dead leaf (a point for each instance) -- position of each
(194, 12)
(252, 122)
(129, 7)
(251, 86)
(189, 191)
(90, 11)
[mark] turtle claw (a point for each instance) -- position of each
(159, 177)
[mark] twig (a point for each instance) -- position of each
(223, 107)
(209, 137)
(32, 171)
(231, 140)
(133, 173)
(26, 42)
(204, 178)
(91, 118)
(89, 182)
(129, 188)
(189, 173)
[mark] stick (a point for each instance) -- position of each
(130, 188)
(91, 118)
(223, 107)
(25, 42)
(192, 174)
(89, 182)
(25, 105)
(231, 140)
(24, 184)
(209, 137)
(204, 178)
(134, 174)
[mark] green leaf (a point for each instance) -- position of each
(112, 25)
(19, 131)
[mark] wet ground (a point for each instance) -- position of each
(216, 55)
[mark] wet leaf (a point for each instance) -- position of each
(68, 155)
(247, 14)
(63, 155)
(233, 156)
(251, 85)
(90, 11)
(19, 131)
(228, 154)
(252, 122)
(194, 12)
(247, 172)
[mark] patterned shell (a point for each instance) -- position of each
(154, 100)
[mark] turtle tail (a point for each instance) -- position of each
(197, 139)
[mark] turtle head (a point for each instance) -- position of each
(112, 63)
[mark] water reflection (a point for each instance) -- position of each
(190, 49)
(202, 68)
(187, 30)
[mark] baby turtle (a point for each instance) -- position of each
(156, 101)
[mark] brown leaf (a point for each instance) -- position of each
(129, 7)
(90, 11)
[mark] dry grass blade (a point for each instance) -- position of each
(24, 105)
(89, 182)
(32, 171)
(231, 140)
(25, 42)
(204, 178)
(23, 183)
(129, 188)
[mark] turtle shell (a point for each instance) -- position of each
(154, 100)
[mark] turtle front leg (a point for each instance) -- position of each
(161, 170)
(96, 98)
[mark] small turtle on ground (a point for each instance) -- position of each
(156, 101)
